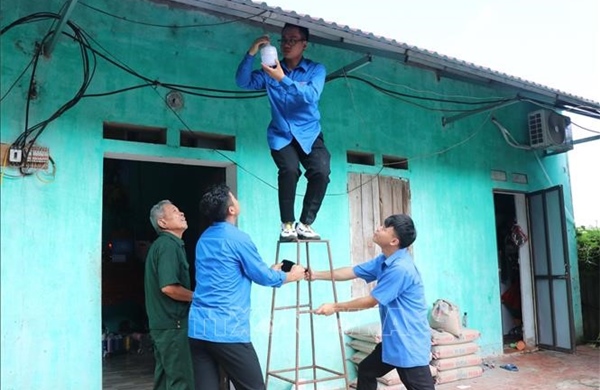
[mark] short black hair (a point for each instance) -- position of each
(214, 203)
(404, 228)
(303, 30)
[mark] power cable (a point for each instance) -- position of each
(474, 98)
(586, 128)
(216, 150)
(18, 78)
(417, 97)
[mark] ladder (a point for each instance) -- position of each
(300, 309)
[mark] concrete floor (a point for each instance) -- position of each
(538, 370)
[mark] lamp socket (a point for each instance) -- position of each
(15, 155)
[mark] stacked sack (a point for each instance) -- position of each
(363, 340)
(453, 346)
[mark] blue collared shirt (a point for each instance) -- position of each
(406, 336)
(294, 100)
(227, 262)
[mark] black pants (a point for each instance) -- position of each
(238, 360)
(372, 367)
(317, 167)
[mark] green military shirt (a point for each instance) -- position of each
(166, 264)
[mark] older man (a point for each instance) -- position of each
(168, 296)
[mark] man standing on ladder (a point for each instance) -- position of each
(294, 134)
(406, 337)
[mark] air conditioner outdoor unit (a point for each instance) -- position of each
(549, 130)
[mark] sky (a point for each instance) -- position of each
(555, 43)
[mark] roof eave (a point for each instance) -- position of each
(332, 34)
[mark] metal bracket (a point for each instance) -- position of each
(350, 67)
(64, 18)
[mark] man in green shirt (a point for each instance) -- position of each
(168, 296)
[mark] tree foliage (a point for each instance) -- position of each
(588, 249)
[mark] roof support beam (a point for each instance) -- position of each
(588, 139)
(64, 18)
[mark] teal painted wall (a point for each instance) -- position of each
(51, 232)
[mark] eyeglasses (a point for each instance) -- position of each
(291, 42)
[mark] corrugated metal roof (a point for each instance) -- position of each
(331, 33)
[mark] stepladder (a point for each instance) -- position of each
(300, 350)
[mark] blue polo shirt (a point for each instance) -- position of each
(406, 337)
(227, 262)
(294, 100)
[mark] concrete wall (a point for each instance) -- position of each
(51, 231)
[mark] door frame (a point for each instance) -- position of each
(525, 271)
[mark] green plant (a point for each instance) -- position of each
(588, 249)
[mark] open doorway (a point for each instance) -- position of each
(130, 189)
(514, 271)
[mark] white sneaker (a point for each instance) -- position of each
(287, 232)
(305, 232)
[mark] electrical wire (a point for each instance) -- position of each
(187, 89)
(474, 98)
(455, 145)
(574, 110)
(89, 53)
(253, 94)
(417, 97)
(550, 107)
(237, 94)
(52, 173)
(17, 79)
(586, 128)
(29, 136)
(89, 67)
(216, 150)
(102, 94)
(510, 140)
(177, 87)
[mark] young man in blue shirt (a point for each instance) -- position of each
(294, 134)
(227, 262)
(406, 336)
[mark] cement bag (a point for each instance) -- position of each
(445, 338)
(361, 346)
(457, 362)
(445, 316)
(369, 332)
(358, 357)
(392, 378)
(458, 374)
(453, 350)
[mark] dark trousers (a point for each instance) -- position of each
(238, 360)
(372, 367)
(317, 167)
(173, 361)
